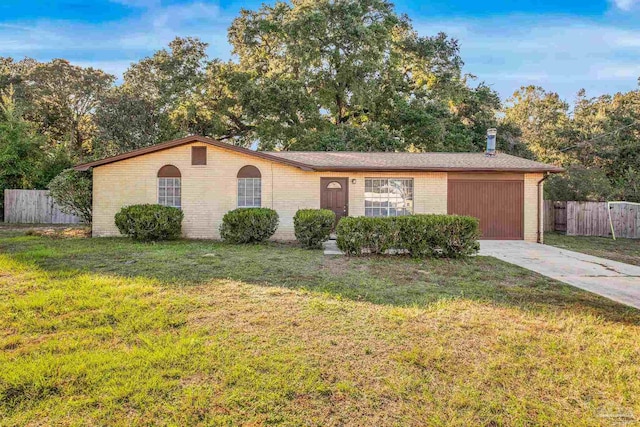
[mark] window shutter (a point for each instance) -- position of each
(198, 155)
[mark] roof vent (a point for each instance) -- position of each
(491, 142)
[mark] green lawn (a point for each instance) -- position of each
(623, 250)
(111, 332)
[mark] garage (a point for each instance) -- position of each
(498, 204)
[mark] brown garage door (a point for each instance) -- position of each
(499, 205)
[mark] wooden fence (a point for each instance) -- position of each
(34, 206)
(592, 219)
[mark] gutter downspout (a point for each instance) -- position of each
(539, 239)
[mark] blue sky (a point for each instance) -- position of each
(561, 45)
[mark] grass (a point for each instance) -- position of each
(622, 250)
(111, 332)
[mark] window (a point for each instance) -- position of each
(169, 190)
(388, 197)
(198, 155)
(249, 187)
(334, 184)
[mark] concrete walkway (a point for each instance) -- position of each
(615, 280)
(331, 248)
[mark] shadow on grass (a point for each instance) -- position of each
(398, 281)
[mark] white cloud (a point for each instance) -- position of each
(177, 15)
(625, 4)
(138, 3)
(560, 54)
(126, 40)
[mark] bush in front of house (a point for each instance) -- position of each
(150, 222)
(249, 225)
(312, 227)
(450, 236)
(72, 192)
(355, 235)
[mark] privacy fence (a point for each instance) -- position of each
(592, 218)
(34, 207)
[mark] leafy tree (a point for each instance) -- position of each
(340, 67)
(599, 143)
(13, 74)
(61, 100)
(72, 191)
(579, 183)
(609, 138)
(169, 81)
(542, 122)
(52, 162)
(19, 147)
(125, 122)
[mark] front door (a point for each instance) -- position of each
(334, 195)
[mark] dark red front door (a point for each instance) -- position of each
(334, 195)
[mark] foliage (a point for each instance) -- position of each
(543, 122)
(598, 143)
(72, 191)
(169, 80)
(126, 121)
(350, 75)
(150, 222)
(20, 145)
(450, 236)
(312, 227)
(355, 235)
(61, 98)
(249, 225)
(579, 183)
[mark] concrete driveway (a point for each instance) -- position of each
(615, 280)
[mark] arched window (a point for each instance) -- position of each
(169, 191)
(249, 187)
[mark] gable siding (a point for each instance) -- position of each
(209, 191)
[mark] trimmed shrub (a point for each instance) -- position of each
(449, 236)
(150, 222)
(313, 226)
(249, 225)
(356, 235)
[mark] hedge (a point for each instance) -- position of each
(312, 227)
(354, 235)
(448, 236)
(249, 225)
(150, 222)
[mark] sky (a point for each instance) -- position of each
(561, 45)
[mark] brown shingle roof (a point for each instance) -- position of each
(355, 161)
(327, 161)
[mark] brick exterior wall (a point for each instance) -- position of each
(209, 191)
(531, 208)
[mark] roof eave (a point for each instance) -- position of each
(431, 169)
(188, 140)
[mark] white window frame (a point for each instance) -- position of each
(170, 183)
(249, 201)
(379, 204)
